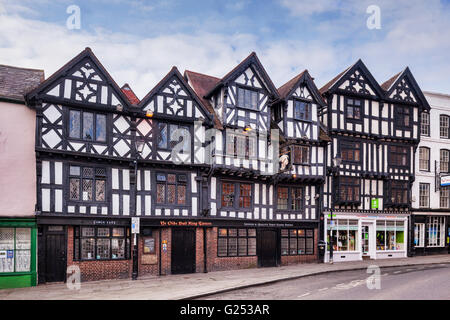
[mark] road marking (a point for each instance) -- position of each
(397, 272)
(410, 269)
(386, 274)
(323, 289)
(304, 295)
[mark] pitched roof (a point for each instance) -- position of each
(202, 84)
(15, 82)
(387, 85)
(252, 58)
(126, 89)
(288, 86)
(332, 81)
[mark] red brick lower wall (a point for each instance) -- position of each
(98, 270)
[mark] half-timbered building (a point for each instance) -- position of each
(374, 133)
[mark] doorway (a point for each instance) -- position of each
(366, 240)
(55, 254)
(183, 251)
(268, 252)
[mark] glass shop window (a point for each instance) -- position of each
(390, 235)
(233, 242)
(345, 235)
(15, 250)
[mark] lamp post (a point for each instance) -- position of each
(139, 148)
(336, 163)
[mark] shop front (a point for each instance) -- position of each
(358, 236)
(431, 233)
(17, 253)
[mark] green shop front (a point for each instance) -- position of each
(17, 253)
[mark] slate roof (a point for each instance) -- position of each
(387, 85)
(126, 89)
(287, 87)
(15, 82)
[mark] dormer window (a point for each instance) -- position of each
(247, 98)
(302, 110)
(87, 126)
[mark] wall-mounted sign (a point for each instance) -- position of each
(10, 254)
(149, 245)
(164, 245)
(3, 254)
(135, 224)
(183, 223)
(374, 203)
(445, 181)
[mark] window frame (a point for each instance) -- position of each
(168, 125)
(251, 145)
(77, 237)
(444, 196)
(309, 104)
(240, 87)
(94, 126)
(353, 105)
(290, 236)
(396, 186)
(95, 177)
(395, 154)
(177, 183)
(349, 145)
(344, 181)
(440, 224)
(441, 127)
(237, 237)
(401, 114)
(425, 124)
(302, 148)
(422, 161)
(290, 202)
(440, 160)
(237, 195)
(426, 196)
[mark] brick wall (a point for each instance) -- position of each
(98, 270)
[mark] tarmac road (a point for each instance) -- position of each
(421, 282)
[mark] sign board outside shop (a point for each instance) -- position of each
(135, 225)
(374, 203)
(445, 181)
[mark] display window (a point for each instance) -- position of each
(344, 234)
(15, 250)
(390, 235)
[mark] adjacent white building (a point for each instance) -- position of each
(431, 197)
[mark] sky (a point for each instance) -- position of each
(138, 41)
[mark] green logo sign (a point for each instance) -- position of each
(374, 204)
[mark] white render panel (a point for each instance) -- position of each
(58, 200)
(45, 172)
(58, 172)
(46, 200)
(115, 178)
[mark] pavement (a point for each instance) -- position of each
(198, 285)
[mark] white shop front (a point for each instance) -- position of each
(362, 236)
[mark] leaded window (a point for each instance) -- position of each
(353, 109)
(349, 189)
(237, 195)
(301, 154)
(170, 135)
(398, 193)
(88, 126)
(402, 117)
(242, 145)
(302, 110)
(398, 156)
(171, 188)
(233, 242)
(424, 159)
(297, 242)
(101, 243)
(350, 151)
(290, 198)
(87, 183)
(247, 98)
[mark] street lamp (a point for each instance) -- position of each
(336, 163)
(139, 144)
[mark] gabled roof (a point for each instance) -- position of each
(391, 84)
(334, 84)
(202, 84)
(15, 82)
(251, 59)
(126, 89)
(62, 72)
(174, 72)
(304, 77)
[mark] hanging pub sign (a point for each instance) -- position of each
(445, 181)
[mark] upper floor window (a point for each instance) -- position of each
(353, 109)
(302, 110)
(424, 159)
(424, 195)
(349, 188)
(236, 195)
(300, 154)
(444, 197)
(171, 188)
(290, 198)
(402, 117)
(425, 124)
(444, 159)
(350, 151)
(87, 184)
(247, 98)
(87, 126)
(169, 135)
(398, 192)
(241, 145)
(398, 156)
(444, 125)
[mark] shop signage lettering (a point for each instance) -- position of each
(268, 225)
(3, 254)
(185, 224)
(104, 222)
